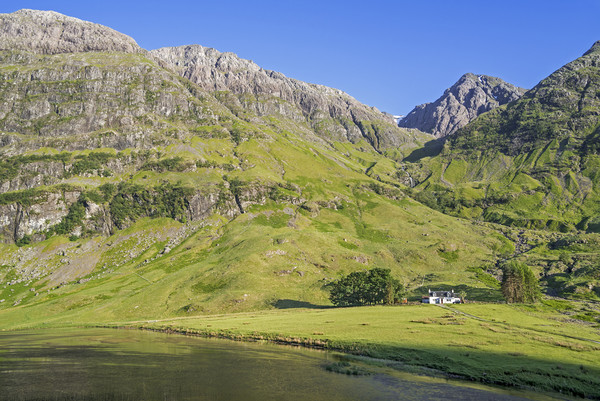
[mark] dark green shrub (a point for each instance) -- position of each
(25, 240)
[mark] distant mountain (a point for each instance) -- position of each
(471, 96)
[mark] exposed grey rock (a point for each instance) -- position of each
(17, 220)
(48, 32)
(471, 96)
(333, 114)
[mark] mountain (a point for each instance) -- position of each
(536, 156)
(111, 96)
(532, 164)
(469, 97)
(140, 185)
(185, 180)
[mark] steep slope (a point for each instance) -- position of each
(93, 88)
(469, 97)
(333, 114)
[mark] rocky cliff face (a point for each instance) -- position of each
(48, 32)
(471, 96)
(332, 113)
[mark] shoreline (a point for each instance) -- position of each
(513, 349)
(353, 352)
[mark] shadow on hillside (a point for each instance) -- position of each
(472, 293)
(292, 304)
(555, 283)
(430, 149)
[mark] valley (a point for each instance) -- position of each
(191, 191)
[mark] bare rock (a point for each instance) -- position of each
(48, 32)
(471, 96)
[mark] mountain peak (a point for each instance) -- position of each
(470, 96)
(49, 32)
(595, 48)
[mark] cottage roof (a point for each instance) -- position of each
(443, 294)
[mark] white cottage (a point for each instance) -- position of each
(441, 297)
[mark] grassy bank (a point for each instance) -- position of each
(520, 346)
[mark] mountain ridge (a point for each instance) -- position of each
(326, 109)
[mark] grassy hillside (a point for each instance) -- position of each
(268, 257)
(244, 213)
(186, 205)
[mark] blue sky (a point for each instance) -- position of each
(389, 54)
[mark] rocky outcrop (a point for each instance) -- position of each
(471, 96)
(30, 218)
(32, 213)
(333, 114)
(48, 32)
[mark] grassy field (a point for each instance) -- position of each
(509, 345)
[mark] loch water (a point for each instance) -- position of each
(123, 365)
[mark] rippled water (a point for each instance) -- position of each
(105, 364)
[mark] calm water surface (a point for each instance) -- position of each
(105, 364)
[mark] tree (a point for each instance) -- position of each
(376, 286)
(519, 284)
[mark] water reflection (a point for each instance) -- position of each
(104, 364)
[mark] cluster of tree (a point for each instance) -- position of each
(448, 201)
(375, 286)
(519, 284)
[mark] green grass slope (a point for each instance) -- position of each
(532, 163)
